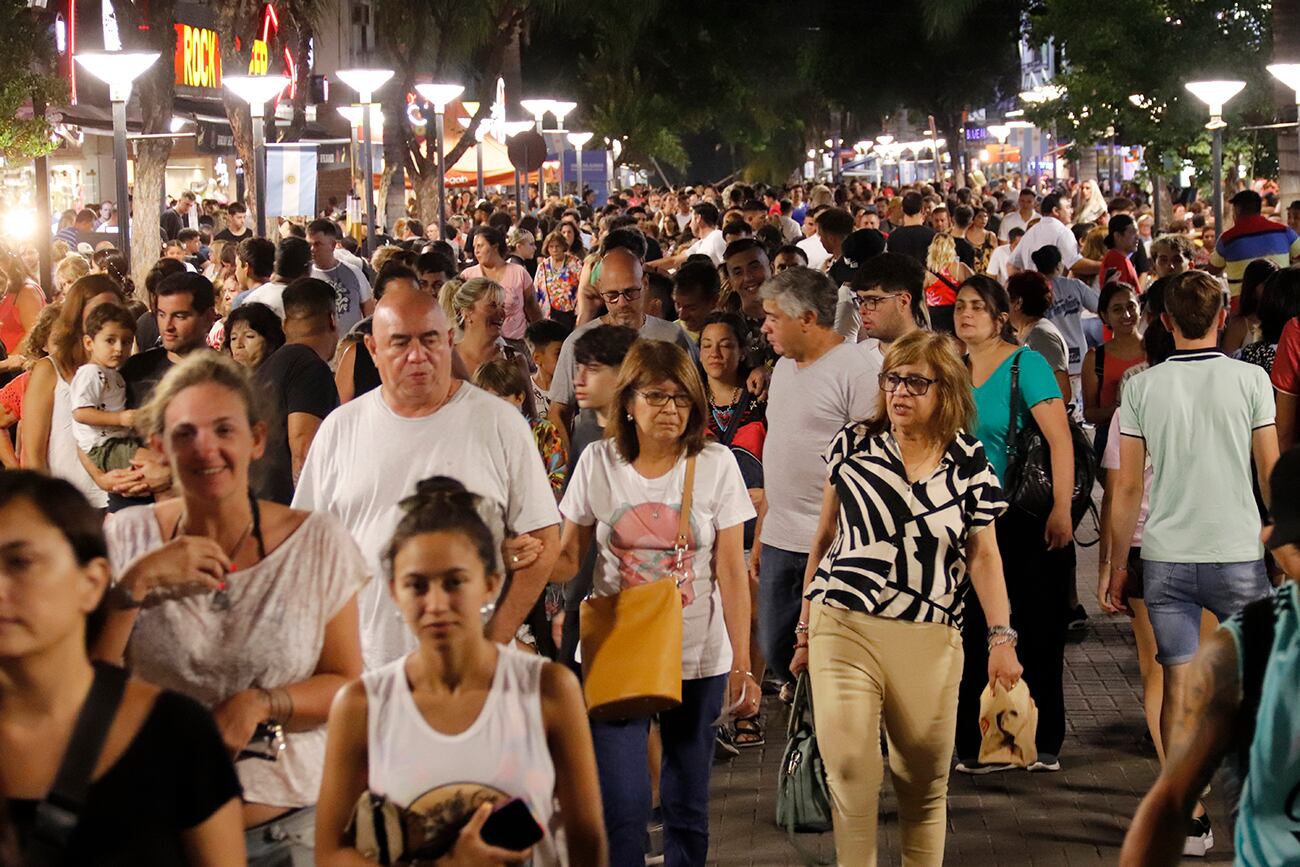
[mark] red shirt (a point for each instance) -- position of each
(1116, 265)
(1286, 365)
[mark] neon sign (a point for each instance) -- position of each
(198, 56)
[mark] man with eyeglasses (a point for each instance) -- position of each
(890, 291)
(623, 291)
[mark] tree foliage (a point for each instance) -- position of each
(1125, 68)
(27, 82)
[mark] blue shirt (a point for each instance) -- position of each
(1268, 826)
(993, 403)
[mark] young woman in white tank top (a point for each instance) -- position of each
(461, 725)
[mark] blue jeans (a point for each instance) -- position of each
(1176, 593)
(288, 841)
(622, 766)
(780, 597)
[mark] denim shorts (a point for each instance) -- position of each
(1176, 593)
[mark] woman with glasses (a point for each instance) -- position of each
(624, 500)
(1038, 557)
(904, 535)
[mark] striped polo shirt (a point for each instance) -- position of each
(1253, 237)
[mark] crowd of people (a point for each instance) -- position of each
(305, 540)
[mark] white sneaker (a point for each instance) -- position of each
(1047, 763)
(1200, 837)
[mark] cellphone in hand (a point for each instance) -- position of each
(512, 826)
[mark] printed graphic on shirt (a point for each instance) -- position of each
(432, 823)
(643, 537)
(342, 297)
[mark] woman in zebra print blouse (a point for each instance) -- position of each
(905, 532)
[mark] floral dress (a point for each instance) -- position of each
(558, 287)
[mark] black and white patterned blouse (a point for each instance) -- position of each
(900, 548)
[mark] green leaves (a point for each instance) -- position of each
(27, 79)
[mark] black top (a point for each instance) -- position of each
(174, 775)
(297, 381)
(911, 241)
(227, 235)
(965, 252)
(171, 222)
(142, 372)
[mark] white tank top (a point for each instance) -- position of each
(502, 755)
(62, 452)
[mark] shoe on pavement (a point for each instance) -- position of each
(977, 769)
(1078, 619)
(1047, 763)
(1200, 837)
(724, 747)
(787, 693)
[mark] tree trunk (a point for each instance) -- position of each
(426, 198)
(1286, 49)
(949, 128)
(146, 234)
(241, 129)
(392, 185)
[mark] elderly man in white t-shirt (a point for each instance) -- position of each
(819, 385)
(369, 454)
(1053, 229)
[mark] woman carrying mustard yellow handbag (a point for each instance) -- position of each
(626, 497)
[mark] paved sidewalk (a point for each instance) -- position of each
(1077, 816)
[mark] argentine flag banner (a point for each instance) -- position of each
(291, 181)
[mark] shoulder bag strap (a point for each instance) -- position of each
(1015, 407)
(737, 413)
(57, 815)
(688, 499)
(942, 279)
(1099, 364)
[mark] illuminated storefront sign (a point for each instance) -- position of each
(198, 57)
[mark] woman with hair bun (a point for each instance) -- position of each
(461, 725)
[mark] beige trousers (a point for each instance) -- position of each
(865, 671)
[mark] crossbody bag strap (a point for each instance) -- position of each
(688, 499)
(1015, 406)
(737, 415)
(57, 815)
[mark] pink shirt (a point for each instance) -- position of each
(516, 282)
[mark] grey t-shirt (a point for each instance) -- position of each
(1046, 339)
(653, 329)
(350, 289)
(1069, 299)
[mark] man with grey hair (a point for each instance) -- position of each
(819, 385)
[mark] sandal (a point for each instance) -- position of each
(749, 733)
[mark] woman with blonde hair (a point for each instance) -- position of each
(624, 501)
(948, 272)
(70, 269)
(905, 533)
(32, 350)
(476, 310)
(247, 606)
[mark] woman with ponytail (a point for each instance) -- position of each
(461, 727)
(245, 605)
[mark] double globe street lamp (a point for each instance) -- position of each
(439, 96)
(257, 91)
(365, 82)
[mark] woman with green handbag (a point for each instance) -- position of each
(905, 532)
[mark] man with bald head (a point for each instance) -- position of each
(622, 289)
(423, 421)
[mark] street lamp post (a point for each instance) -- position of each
(1216, 94)
(1001, 132)
(439, 95)
(365, 82)
(578, 140)
(257, 91)
(559, 108)
(538, 109)
(118, 69)
(480, 134)
(1289, 75)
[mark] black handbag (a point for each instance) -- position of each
(1028, 483)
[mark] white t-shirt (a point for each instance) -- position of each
(806, 408)
(710, 245)
(270, 294)
(1011, 221)
(366, 458)
(998, 261)
(815, 250)
(1048, 231)
(636, 526)
(101, 388)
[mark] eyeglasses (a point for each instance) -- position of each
(661, 398)
(872, 302)
(915, 385)
(627, 294)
